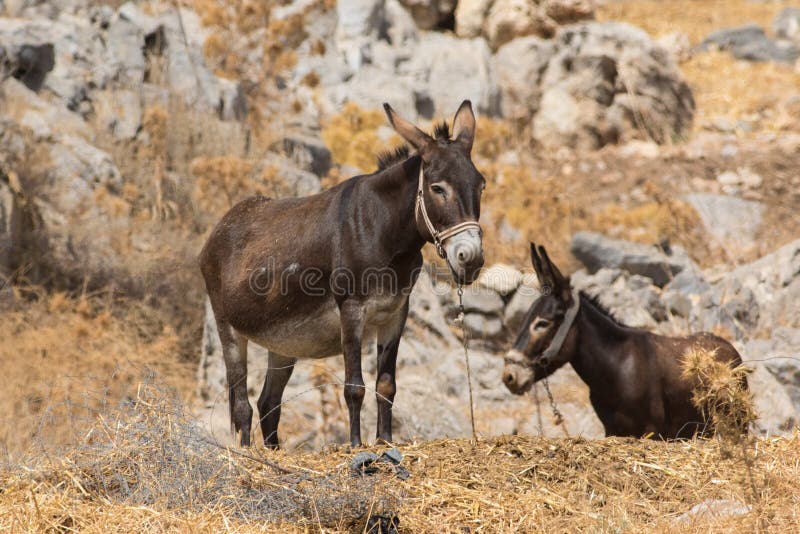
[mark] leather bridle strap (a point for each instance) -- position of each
(439, 237)
(546, 357)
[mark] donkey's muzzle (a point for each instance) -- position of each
(464, 253)
(517, 376)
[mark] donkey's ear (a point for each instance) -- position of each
(560, 282)
(421, 141)
(464, 126)
(557, 276)
(536, 261)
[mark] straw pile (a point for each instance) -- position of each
(149, 467)
(720, 392)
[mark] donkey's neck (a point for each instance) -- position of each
(600, 342)
(396, 188)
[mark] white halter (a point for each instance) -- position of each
(439, 237)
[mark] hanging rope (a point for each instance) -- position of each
(465, 337)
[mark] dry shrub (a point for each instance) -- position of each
(154, 123)
(222, 181)
(540, 208)
(252, 15)
(666, 218)
(351, 136)
(492, 138)
(225, 63)
(213, 12)
(720, 392)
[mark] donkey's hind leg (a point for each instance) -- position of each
(234, 350)
(269, 402)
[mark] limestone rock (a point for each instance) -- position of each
(596, 251)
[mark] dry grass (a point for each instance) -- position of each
(758, 93)
(65, 359)
(147, 466)
(696, 18)
(719, 393)
(550, 208)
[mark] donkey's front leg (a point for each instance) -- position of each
(385, 386)
(352, 318)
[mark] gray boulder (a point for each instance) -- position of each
(596, 251)
(787, 24)
(308, 152)
(118, 112)
(299, 182)
(44, 119)
(732, 221)
(9, 225)
(416, 78)
(187, 73)
(775, 412)
(77, 221)
(684, 291)
(484, 327)
(632, 300)
(359, 23)
(125, 45)
(501, 278)
(503, 21)
(425, 311)
(754, 296)
(480, 299)
(519, 67)
(603, 78)
(732, 306)
(441, 62)
(780, 355)
(751, 43)
(371, 86)
(61, 55)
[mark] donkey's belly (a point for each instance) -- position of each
(319, 334)
(315, 335)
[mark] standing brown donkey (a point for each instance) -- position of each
(311, 277)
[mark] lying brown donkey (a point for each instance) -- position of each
(634, 376)
(313, 277)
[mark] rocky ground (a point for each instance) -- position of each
(657, 161)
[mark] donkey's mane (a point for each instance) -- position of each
(387, 158)
(594, 300)
(441, 131)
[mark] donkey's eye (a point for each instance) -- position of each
(439, 190)
(541, 323)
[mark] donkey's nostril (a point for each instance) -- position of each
(508, 378)
(462, 256)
